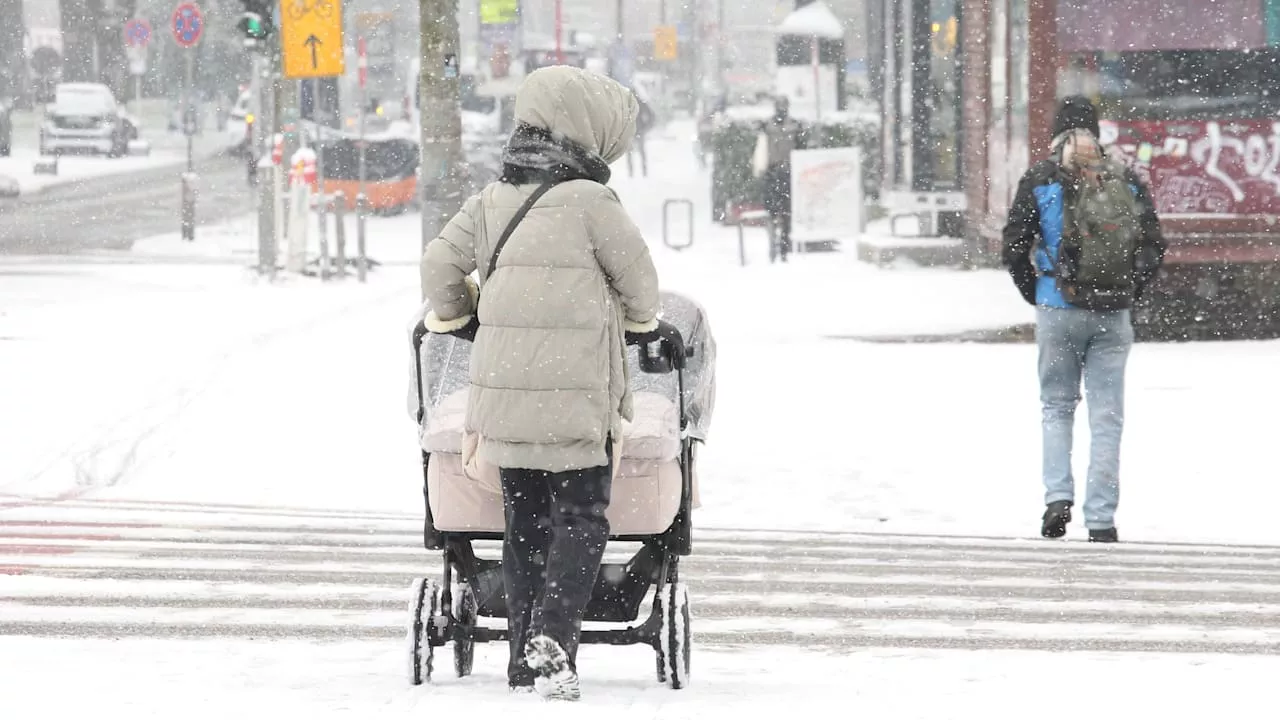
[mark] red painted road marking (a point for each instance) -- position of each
(56, 536)
(74, 523)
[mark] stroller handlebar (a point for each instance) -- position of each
(670, 352)
(669, 355)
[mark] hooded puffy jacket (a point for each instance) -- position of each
(548, 370)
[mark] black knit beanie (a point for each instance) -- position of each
(1076, 112)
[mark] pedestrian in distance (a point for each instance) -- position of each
(644, 123)
(564, 275)
(771, 165)
(1082, 243)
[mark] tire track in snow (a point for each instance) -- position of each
(110, 452)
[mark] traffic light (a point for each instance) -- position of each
(255, 22)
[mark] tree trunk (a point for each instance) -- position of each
(92, 43)
(77, 40)
(12, 70)
(443, 170)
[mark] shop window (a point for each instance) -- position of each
(1176, 84)
(944, 109)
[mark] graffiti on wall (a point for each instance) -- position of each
(1203, 167)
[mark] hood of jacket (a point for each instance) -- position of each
(580, 106)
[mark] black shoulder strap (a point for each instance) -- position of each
(511, 226)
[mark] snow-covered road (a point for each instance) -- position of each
(210, 493)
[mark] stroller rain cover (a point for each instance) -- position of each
(442, 369)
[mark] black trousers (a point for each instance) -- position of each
(777, 202)
(556, 532)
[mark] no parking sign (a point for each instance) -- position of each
(137, 33)
(187, 24)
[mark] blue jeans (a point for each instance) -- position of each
(1076, 343)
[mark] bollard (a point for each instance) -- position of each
(340, 231)
(266, 229)
(665, 238)
(362, 265)
(188, 206)
(322, 205)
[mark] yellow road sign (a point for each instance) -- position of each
(499, 12)
(311, 37)
(664, 43)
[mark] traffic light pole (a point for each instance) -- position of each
(265, 186)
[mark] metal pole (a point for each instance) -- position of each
(720, 33)
(817, 80)
(189, 122)
(188, 178)
(340, 231)
(362, 262)
(362, 199)
(266, 186)
(322, 202)
(559, 32)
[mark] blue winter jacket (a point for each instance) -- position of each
(1035, 225)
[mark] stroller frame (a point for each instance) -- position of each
(449, 611)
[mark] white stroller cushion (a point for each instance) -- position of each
(466, 494)
(645, 498)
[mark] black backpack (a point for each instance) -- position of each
(1101, 231)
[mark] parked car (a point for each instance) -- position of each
(239, 129)
(6, 127)
(86, 116)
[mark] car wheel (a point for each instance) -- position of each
(4, 150)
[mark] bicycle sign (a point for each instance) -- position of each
(298, 9)
(187, 24)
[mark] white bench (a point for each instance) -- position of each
(924, 205)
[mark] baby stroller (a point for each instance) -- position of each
(654, 493)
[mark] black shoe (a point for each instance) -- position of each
(1056, 516)
(1107, 535)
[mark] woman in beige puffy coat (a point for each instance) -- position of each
(549, 386)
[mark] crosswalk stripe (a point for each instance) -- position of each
(137, 569)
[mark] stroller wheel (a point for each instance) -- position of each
(675, 636)
(424, 603)
(465, 613)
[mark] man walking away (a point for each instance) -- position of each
(772, 163)
(1082, 243)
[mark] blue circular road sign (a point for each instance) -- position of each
(137, 33)
(187, 25)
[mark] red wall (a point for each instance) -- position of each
(1118, 25)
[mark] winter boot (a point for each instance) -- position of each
(556, 679)
(1056, 516)
(1106, 535)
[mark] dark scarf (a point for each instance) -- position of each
(534, 156)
